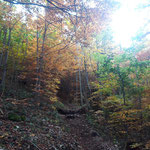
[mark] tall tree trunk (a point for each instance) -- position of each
(79, 71)
(76, 85)
(0, 34)
(4, 45)
(37, 59)
(26, 50)
(80, 82)
(86, 73)
(87, 85)
(43, 48)
(122, 85)
(5, 60)
(41, 60)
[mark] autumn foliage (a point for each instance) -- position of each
(67, 54)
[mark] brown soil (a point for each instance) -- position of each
(45, 130)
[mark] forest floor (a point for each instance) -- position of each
(31, 124)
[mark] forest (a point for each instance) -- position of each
(74, 75)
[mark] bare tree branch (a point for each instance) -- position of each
(39, 5)
(23, 3)
(57, 6)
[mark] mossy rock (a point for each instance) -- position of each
(16, 117)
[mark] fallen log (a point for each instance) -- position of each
(81, 110)
(65, 111)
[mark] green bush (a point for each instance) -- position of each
(58, 104)
(15, 117)
(19, 94)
